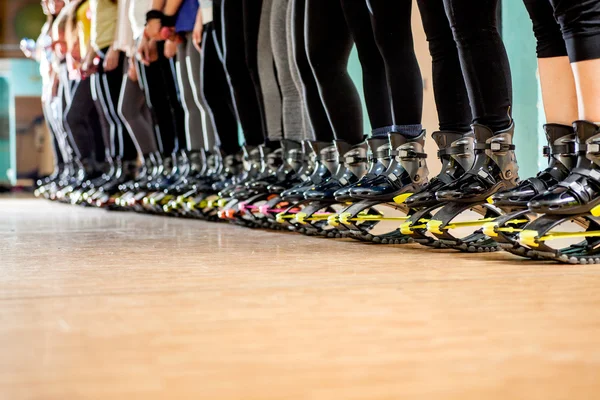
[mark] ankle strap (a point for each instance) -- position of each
(561, 149)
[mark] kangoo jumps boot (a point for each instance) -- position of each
(324, 198)
(574, 200)
(457, 155)
(562, 153)
(379, 202)
(495, 169)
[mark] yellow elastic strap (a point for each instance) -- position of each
(569, 235)
(333, 220)
(529, 238)
(301, 218)
(433, 226)
(345, 218)
(405, 229)
(281, 217)
(489, 229)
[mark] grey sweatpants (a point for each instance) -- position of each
(268, 77)
(136, 116)
(198, 125)
(294, 123)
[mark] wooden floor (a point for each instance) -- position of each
(121, 306)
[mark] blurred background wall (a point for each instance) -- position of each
(24, 150)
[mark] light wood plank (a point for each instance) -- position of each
(99, 305)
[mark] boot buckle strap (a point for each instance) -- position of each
(355, 160)
(379, 154)
(593, 148)
(296, 156)
(495, 147)
(407, 154)
(560, 149)
(458, 150)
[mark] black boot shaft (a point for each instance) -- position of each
(378, 155)
(562, 145)
(456, 153)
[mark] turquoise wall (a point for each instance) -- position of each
(355, 71)
(21, 78)
(5, 131)
(517, 31)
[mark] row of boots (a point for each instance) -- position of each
(477, 166)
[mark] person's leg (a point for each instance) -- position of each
(328, 45)
(272, 97)
(487, 74)
(292, 101)
(168, 73)
(94, 124)
(252, 16)
(132, 110)
(194, 67)
(317, 122)
(161, 97)
(295, 72)
(451, 98)
(216, 92)
(193, 115)
(483, 59)
(556, 78)
(58, 161)
(112, 82)
(76, 120)
(240, 79)
(580, 25)
(375, 82)
(105, 125)
(391, 21)
(68, 89)
(580, 191)
(560, 106)
(61, 136)
(61, 105)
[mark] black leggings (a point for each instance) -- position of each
(328, 45)
(215, 89)
(391, 22)
(392, 79)
(482, 55)
(158, 81)
(241, 23)
(320, 128)
(450, 91)
(83, 123)
(566, 27)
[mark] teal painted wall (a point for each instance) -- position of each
(528, 113)
(5, 131)
(355, 71)
(20, 79)
(25, 76)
